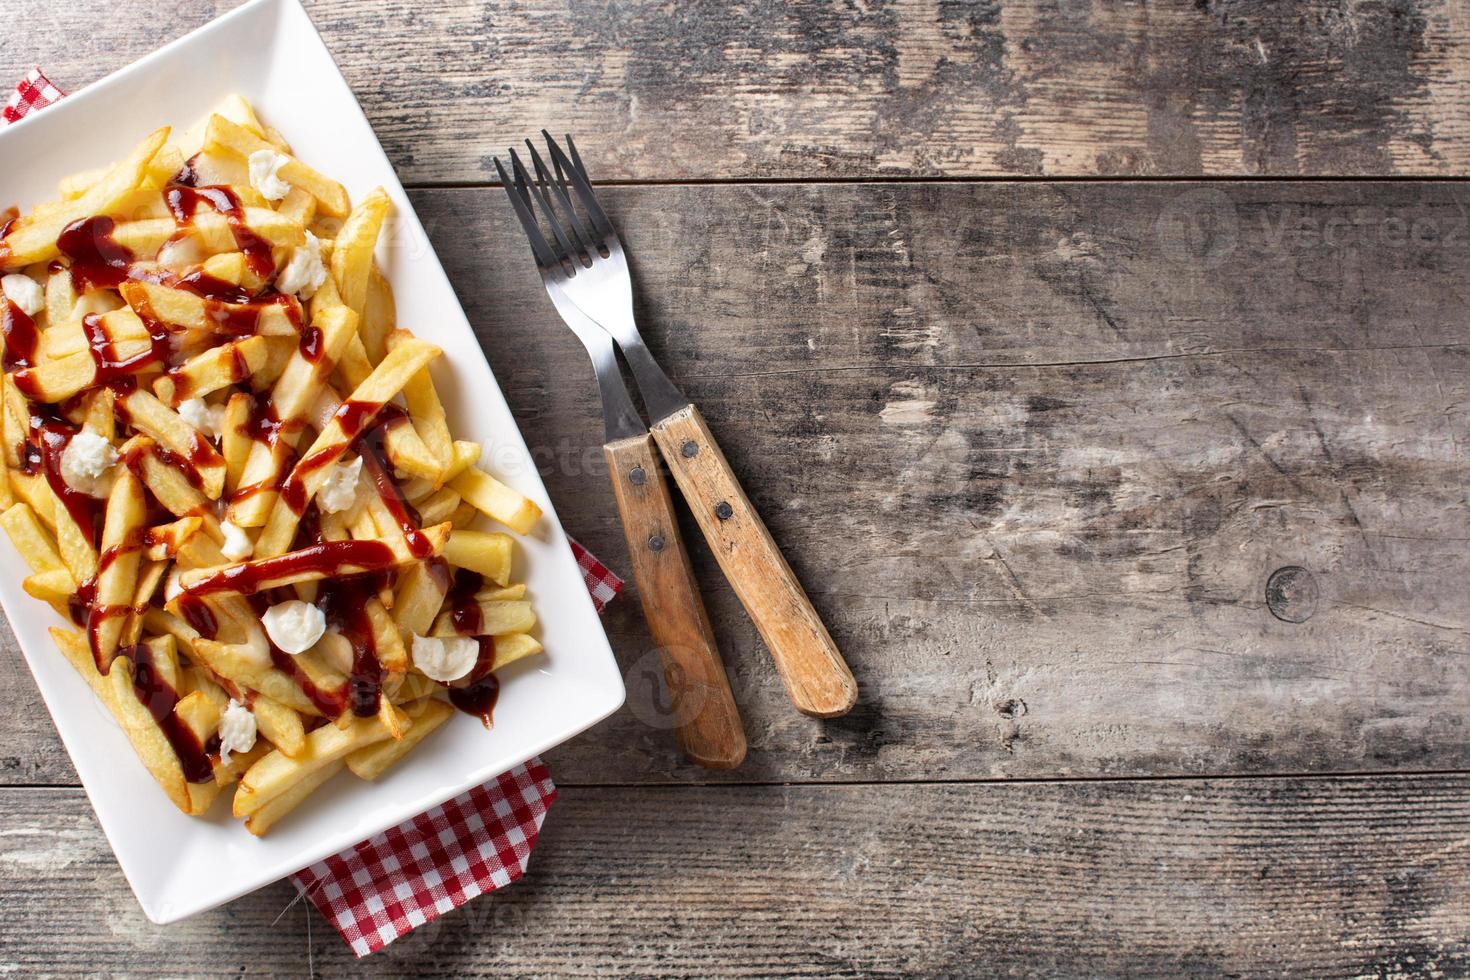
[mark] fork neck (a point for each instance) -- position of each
(661, 396)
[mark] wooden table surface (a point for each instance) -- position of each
(1042, 345)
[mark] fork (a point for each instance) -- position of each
(584, 266)
(706, 720)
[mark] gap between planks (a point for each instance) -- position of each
(469, 185)
(1346, 774)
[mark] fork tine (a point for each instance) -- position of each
(559, 185)
(540, 248)
(581, 183)
(567, 255)
(579, 231)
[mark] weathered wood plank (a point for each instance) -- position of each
(1035, 452)
(1284, 877)
(888, 87)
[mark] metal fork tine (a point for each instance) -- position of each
(567, 255)
(570, 251)
(586, 241)
(540, 248)
(582, 185)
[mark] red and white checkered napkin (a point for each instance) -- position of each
(477, 842)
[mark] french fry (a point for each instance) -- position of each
(495, 618)
(32, 540)
(181, 308)
(486, 552)
(148, 739)
(280, 724)
(369, 397)
(212, 370)
(261, 574)
(163, 424)
(331, 197)
(265, 818)
(502, 594)
(352, 249)
(276, 773)
(297, 388)
(371, 762)
(419, 595)
(35, 240)
(122, 531)
(213, 232)
(496, 500)
(379, 315)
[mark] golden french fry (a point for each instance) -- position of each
(266, 817)
(502, 594)
(163, 424)
(496, 500)
(486, 552)
(495, 618)
(420, 593)
(212, 370)
(122, 531)
(331, 196)
(246, 578)
(32, 240)
(55, 586)
(33, 541)
(352, 249)
(276, 773)
(149, 741)
(182, 308)
(356, 413)
(300, 383)
(371, 762)
(379, 315)
(212, 232)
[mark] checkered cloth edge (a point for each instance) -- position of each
(34, 92)
(390, 884)
(395, 882)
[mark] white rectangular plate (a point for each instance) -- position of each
(269, 52)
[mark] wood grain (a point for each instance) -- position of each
(817, 679)
(1035, 450)
(702, 707)
(1193, 878)
(802, 89)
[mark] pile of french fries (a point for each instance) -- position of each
(166, 629)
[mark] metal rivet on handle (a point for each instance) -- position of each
(637, 477)
(656, 543)
(724, 511)
(689, 449)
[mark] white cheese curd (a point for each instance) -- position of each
(305, 271)
(294, 626)
(86, 463)
(173, 586)
(237, 546)
(236, 730)
(445, 658)
(207, 418)
(25, 293)
(339, 491)
(265, 166)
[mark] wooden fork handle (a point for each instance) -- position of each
(704, 712)
(817, 679)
